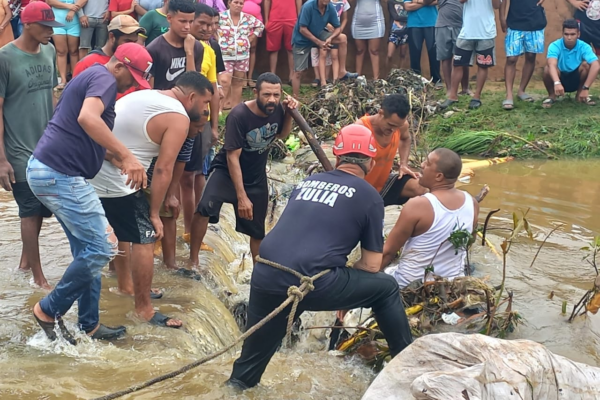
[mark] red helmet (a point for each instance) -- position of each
(355, 139)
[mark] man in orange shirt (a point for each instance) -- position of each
(390, 129)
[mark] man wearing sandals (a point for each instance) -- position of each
(151, 124)
(477, 36)
(524, 27)
(572, 66)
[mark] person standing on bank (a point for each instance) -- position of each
(94, 19)
(572, 66)
(447, 29)
(32, 51)
(422, 17)
(332, 212)
(368, 27)
(66, 37)
(280, 18)
(238, 172)
(398, 30)
(478, 36)
(70, 152)
(174, 53)
(524, 27)
(155, 23)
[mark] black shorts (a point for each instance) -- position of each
(392, 190)
(484, 50)
(570, 81)
(29, 205)
(130, 218)
(200, 149)
(219, 189)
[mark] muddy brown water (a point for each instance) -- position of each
(33, 368)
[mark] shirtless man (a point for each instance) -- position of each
(152, 123)
(415, 231)
(390, 128)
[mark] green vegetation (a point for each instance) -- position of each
(567, 129)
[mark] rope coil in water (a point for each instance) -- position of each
(295, 295)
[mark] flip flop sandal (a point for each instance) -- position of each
(474, 104)
(447, 103)
(188, 273)
(155, 295)
(526, 97)
(508, 105)
(316, 83)
(548, 103)
(349, 75)
(590, 102)
(48, 328)
(159, 319)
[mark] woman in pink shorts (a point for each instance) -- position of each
(237, 30)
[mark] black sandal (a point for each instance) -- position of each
(474, 104)
(159, 319)
(48, 328)
(188, 273)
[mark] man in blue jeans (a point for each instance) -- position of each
(71, 151)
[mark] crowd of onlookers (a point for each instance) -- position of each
(456, 34)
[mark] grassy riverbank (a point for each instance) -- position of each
(567, 129)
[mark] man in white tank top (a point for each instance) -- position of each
(153, 125)
(427, 221)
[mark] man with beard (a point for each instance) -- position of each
(238, 175)
(150, 124)
(174, 53)
(21, 91)
(122, 29)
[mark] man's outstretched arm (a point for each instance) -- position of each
(402, 230)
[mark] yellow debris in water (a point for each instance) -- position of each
(594, 305)
(414, 309)
(187, 237)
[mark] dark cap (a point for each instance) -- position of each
(39, 12)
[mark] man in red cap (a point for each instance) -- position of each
(27, 76)
(70, 152)
(332, 212)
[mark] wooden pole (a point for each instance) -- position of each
(312, 141)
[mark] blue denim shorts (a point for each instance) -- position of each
(518, 43)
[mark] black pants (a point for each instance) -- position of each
(351, 289)
(416, 37)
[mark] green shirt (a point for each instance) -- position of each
(155, 23)
(26, 83)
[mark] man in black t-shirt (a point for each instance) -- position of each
(238, 172)
(587, 12)
(327, 215)
(524, 27)
(174, 53)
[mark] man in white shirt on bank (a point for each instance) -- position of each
(478, 35)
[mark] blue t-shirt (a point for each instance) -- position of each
(65, 146)
(327, 215)
(424, 17)
(311, 17)
(570, 60)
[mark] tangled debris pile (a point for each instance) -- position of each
(342, 104)
(463, 305)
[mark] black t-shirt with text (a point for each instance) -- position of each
(253, 134)
(526, 15)
(168, 62)
(327, 215)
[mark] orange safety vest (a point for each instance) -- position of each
(384, 160)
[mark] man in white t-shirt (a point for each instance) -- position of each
(477, 36)
(426, 223)
(150, 123)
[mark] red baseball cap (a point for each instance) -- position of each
(137, 60)
(39, 12)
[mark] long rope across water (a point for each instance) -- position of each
(295, 296)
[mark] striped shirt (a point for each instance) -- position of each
(185, 155)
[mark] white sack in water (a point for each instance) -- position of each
(454, 366)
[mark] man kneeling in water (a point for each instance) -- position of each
(327, 216)
(427, 221)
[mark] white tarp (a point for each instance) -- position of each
(454, 366)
